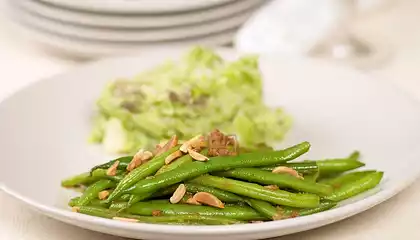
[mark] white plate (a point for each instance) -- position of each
(44, 127)
(138, 20)
(129, 35)
(137, 6)
(79, 48)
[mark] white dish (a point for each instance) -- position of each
(44, 128)
(142, 6)
(138, 20)
(129, 35)
(78, 48)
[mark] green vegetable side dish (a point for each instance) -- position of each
(195, 94)
(255, 186)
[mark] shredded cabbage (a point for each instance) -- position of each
(196, 94)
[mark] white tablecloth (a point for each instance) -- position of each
(21, 63)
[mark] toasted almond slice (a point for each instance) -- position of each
(190, 143)
(272, 187)
(136, 161)
(125, 219)
(112, 171)
(208, 199)
(75, 209)
(192, 201)
(139, 158)
(197, 156)
(291, 171)
(178, 194)
(173, 156)
(170, 144)
(103, 194)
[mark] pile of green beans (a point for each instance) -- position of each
(245, 184)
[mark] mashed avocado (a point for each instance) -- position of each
(194, 95)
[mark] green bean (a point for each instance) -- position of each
(181, 161)
(313, 177)
(224, 196)
(95, 203)
(118, 206)
(256, 191)
(101, 174)
(194, 169)
(139, 173)
(339, 165)
(300, 167)
(333, 166)
(351, 189)
(96, 211)
(287, 212)
(125, 197)
(178, 162)
(168, 209)
(281, 180)
(263, 207)
(137, 198)
(183, 219)
(76, 180)
(92, 191)
(336, 182)
(124, 161)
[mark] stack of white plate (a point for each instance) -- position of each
(93, 28)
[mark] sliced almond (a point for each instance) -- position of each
(178, 194)
(112, 171)
(139, 158)
(125, 219)
(103, 194)
(195, 141)
(192, 201)
(272, 187)
(170, 144)
(208, 199)
(173, 156)
(291, 171)
(75, 209)
(197, 156)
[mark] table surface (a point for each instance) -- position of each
(22, 63)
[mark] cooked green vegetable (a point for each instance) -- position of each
(263, 207)
(141, 172)
(124, 161)
(351, 189)
(93, 190)
(167, 209)
(197, 168)
(282, 180)
(182, 219)
(256, 191)
(219, 190)
(76, 180)
(301, 167)
(338, 181)
(193, 95)
(224, 196)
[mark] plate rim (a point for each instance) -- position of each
(132, 7)
(147, 21)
